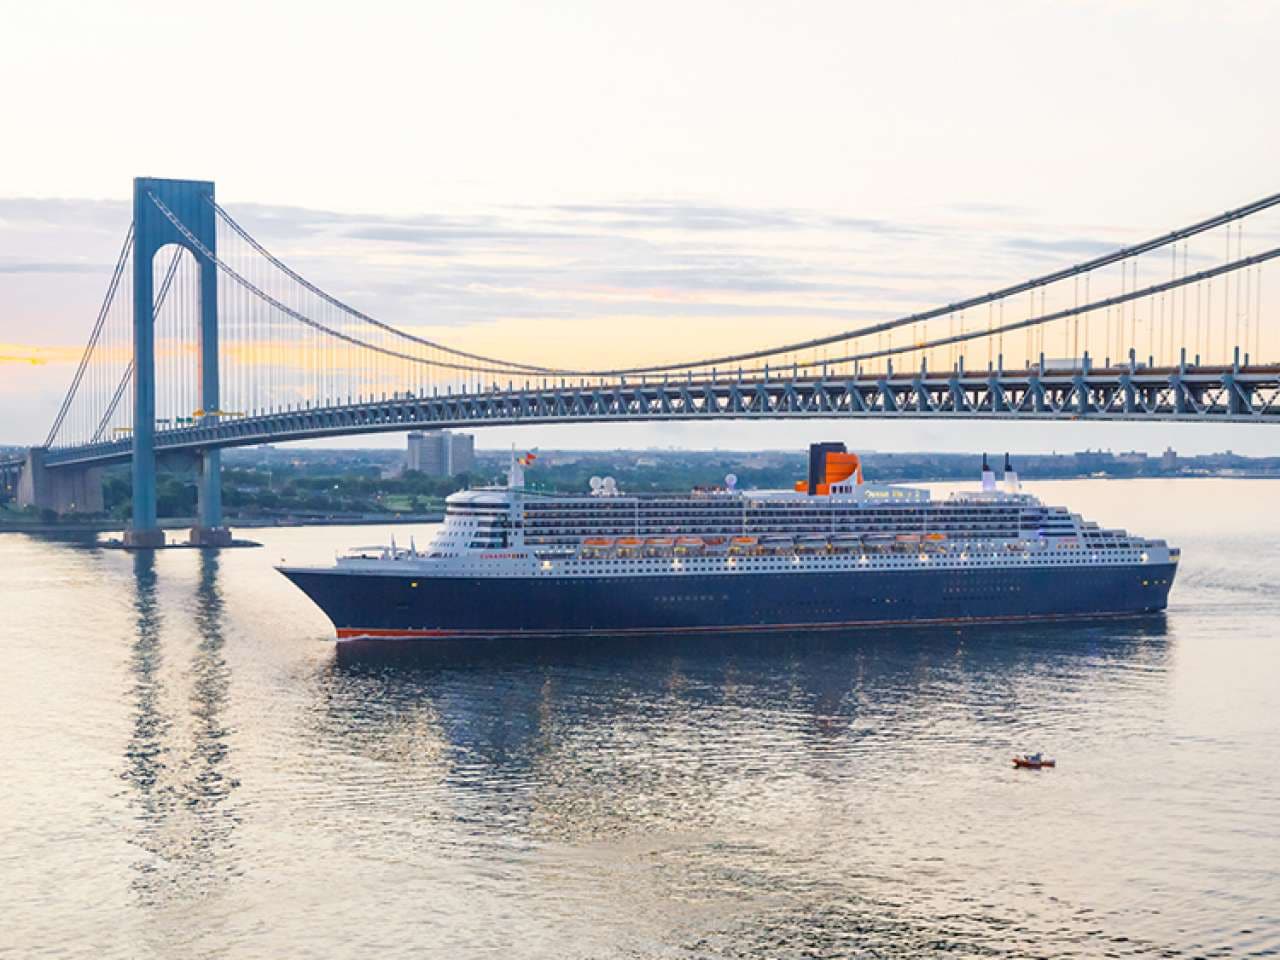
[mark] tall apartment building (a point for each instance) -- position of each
(441, 453)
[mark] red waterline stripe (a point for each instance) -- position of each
(357, 633)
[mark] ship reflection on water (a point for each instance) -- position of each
(753, 795)
(505, 698)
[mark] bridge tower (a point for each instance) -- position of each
(191, 202)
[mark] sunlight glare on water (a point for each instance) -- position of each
(194, 769)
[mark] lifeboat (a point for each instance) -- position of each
(1033, 761)
(908, 538)
(598, 542)
(935, 537)
(744, 541)
(659, 541)
(629, 542)
(688, 541)
(714, 541)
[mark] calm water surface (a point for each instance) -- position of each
(193, 769)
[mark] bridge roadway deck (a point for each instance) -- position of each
(1194, 394)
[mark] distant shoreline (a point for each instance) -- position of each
(111, 526)
(248, 523)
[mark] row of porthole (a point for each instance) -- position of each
(849, 561)
(1074, 558)
(778, 567)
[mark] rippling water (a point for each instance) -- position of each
(193, 769)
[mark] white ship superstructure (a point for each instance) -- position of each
(515, 532)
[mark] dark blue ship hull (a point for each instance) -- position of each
(376, 605)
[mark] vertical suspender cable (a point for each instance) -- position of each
(1226, 306)
(93, 336)
(1183, 337)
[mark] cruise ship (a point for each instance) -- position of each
(836, 552)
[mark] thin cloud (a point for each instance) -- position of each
(454, 234)
(1052, 248)
(64, 211)
(53, 266)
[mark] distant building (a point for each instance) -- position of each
(1169, 459)
(441, 453)
(1132, 456)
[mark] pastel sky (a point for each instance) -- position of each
(614, 182)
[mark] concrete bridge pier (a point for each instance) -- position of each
(209, 530)
(64, 490)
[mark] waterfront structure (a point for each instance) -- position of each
(278, 359)
(835, 552)
(441, 453)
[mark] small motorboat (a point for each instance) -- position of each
(1034, 761)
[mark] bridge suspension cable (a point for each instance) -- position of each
(490, 366)
(504, 365)
(1032, 322)
(263, 295)
(127, 376)
(1121, 256)
(125, 251)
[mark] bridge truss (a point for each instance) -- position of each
(1206, 395)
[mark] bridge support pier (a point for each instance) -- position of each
(65, 490)
(209, 531)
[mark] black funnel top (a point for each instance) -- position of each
(818, 463)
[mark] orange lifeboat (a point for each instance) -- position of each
(629, 542)
(744, 541)
(688, 541)
(598, 542)
(660, 541)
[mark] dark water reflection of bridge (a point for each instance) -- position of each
(174, 765)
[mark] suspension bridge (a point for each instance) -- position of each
(206, 340)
